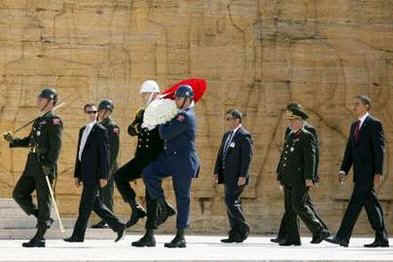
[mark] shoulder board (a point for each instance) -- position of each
(57, 121)
(116, 130)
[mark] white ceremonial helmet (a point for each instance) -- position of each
(149, 86)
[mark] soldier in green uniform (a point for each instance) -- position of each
(105, 109)
(296, 172)
(44, 142)
(282, 233)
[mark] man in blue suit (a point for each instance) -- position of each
(232, 169)
(179, 160)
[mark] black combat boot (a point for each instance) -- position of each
(165, 210)
(178, 241)
(171, 209)
(138, 212)
(38, 239)
(148, 240)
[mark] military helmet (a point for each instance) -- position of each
(149, 86)
(49, 93)
(106, 104)
(184, 91)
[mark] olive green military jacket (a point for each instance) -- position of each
(298, 158)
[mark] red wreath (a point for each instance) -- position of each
(198, 86)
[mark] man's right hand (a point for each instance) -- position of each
(341, 177)
(8, 136)
(77, 182)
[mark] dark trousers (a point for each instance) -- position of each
(166, 166)
(283, 230)
(108, 190)
(32, 179)
(298, 200)
(129, 172)
(236, 218)
(91, 200)
(367, 198)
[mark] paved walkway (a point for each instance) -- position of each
(200, 248)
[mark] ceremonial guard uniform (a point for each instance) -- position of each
(179, 160)
(113, 132)
(148, 147)
(297, 164)
(44, 142)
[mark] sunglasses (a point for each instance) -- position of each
(91, 112)
(228, 118)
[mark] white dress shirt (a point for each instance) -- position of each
(85, 135)
(362, 119)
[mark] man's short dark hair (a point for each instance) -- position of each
(87, 106)
(365, 101)
(235, 114)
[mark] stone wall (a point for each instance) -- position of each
(257, 55)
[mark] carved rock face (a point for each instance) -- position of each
(256, 55)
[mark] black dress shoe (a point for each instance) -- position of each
(34, 243)
(137, 214)
(148, 240)
(73, 239)
(378, 243)
(320, 237)
(337, 241)
(120, 233)
(227, 240)
(100, 224)
(289, 243)
(231, 240)
(276, 240)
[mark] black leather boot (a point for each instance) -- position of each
(138, 212)
(164, 211)
(38, 239)
(148, 240)
(178, 241)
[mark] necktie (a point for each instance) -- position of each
(356, 131)
(227, 143)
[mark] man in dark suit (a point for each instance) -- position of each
(92, 169)
(105, 109)
(365, 151)
(296, 171)
(282, 233)
(232, 169)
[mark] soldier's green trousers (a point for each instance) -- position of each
(33, 179)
